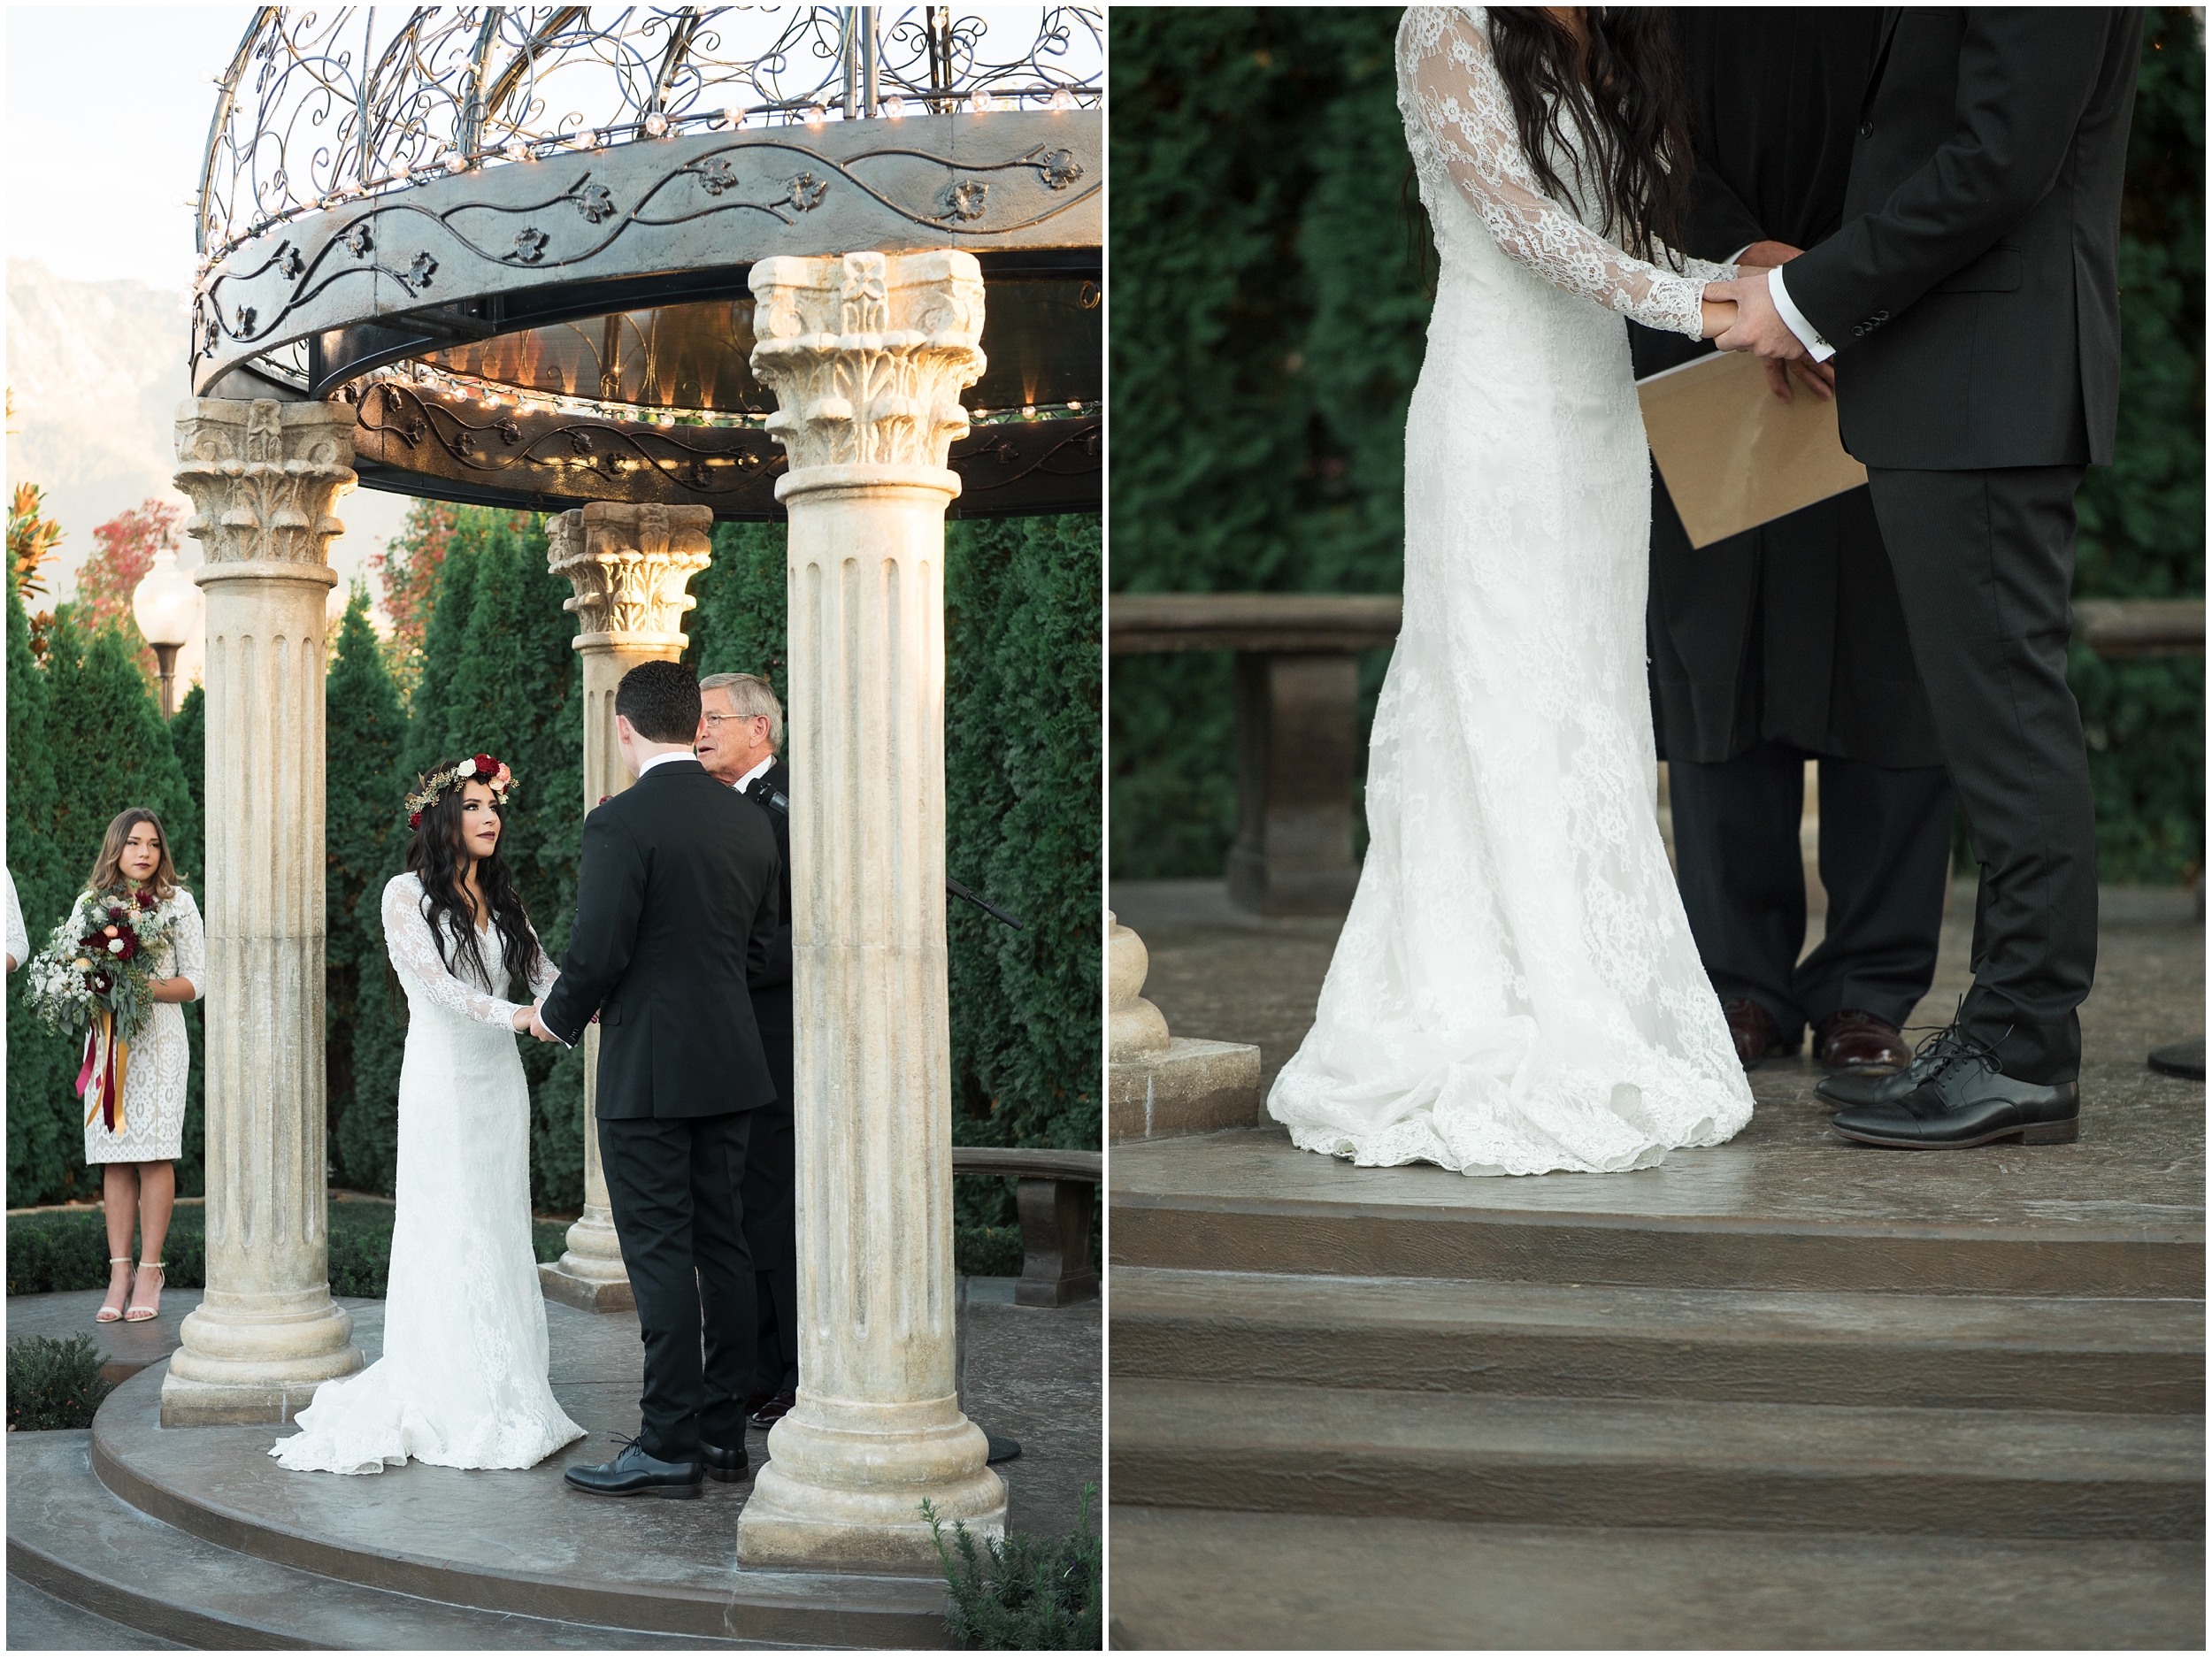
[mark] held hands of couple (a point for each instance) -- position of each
(527, 1022)
(1748, 321)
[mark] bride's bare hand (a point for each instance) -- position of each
(1720, 316)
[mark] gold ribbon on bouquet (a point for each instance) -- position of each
(106, 1063)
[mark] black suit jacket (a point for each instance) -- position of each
(1972, 295)
(675, 906)
(776, 968)
(771, 984)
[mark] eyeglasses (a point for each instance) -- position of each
(716, 721)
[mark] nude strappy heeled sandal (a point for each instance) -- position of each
(114, 1314)
(147, 1314)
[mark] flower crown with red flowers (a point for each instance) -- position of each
(481, 768)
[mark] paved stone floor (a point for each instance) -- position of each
(1030, 1374)
(1223, 974)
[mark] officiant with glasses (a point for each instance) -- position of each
(740, 743)
(1788, 643)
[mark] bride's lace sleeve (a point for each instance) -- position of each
(545, 974)
(1459, 109)
(407, 939)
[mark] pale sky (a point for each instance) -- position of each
(107, 114)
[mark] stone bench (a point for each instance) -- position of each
(1055, 1194)
(1297, 713)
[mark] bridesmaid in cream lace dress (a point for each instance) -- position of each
(138, 1156)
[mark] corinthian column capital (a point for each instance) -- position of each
(629, 565)
(263, 477)
(868, 354)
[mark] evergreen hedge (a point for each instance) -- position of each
(1262, 397)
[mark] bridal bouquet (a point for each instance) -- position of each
(94, 974)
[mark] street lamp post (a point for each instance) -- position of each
(166, 603)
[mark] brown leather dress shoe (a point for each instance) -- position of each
(1855, 1040)
(1757, 1035)
(774, 1410)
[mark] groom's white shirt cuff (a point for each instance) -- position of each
(1807, 335)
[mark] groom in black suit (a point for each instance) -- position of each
(1971, 302)
(675, 907)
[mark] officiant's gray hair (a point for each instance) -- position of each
(749, 698)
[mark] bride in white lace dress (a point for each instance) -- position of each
(1515, 990)
(462, 1382)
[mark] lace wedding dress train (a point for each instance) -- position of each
(462, 1382)
(1515, 990)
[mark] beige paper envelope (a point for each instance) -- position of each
(1734, 454)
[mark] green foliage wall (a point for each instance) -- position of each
(1271, 328)
(2142, 519)
(85, 739)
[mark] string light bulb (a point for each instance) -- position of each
(1062, 101)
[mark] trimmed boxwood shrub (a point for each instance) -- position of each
(53, 1384)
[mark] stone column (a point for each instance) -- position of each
(263, 477)
(867, 356)
(629, 565)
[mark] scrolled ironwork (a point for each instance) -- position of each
(320, 109)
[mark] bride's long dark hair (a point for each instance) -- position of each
(438, 858)
(1620, 88)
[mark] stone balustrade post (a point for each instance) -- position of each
(629, 565)
(263, 477)
(867, 356)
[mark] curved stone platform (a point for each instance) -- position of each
(426, 1556)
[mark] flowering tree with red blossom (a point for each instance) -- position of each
(128, 543)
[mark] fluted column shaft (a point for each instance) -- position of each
(263, 477)
(628, 565)
(867, 356)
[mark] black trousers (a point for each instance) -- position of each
(772, 1232)
(772, 1202)
(1885, 855)
(1984, 563)
(675, 1185)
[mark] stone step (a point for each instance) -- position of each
(1948, 1351)
(1800, 1216)
(1494, 1459)
(517, 1542)
(71, 1537)
(1192, 1578)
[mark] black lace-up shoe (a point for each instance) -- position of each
(728, 1466)
(1855, 1088)
(1968, 1101)
(635, 1473)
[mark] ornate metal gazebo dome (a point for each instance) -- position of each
(516, 240)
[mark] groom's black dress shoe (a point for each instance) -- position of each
(635, 1473)
(728, 1466)
(1969, 1102)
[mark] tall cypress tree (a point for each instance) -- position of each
(364, 727)
(41, 1147)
